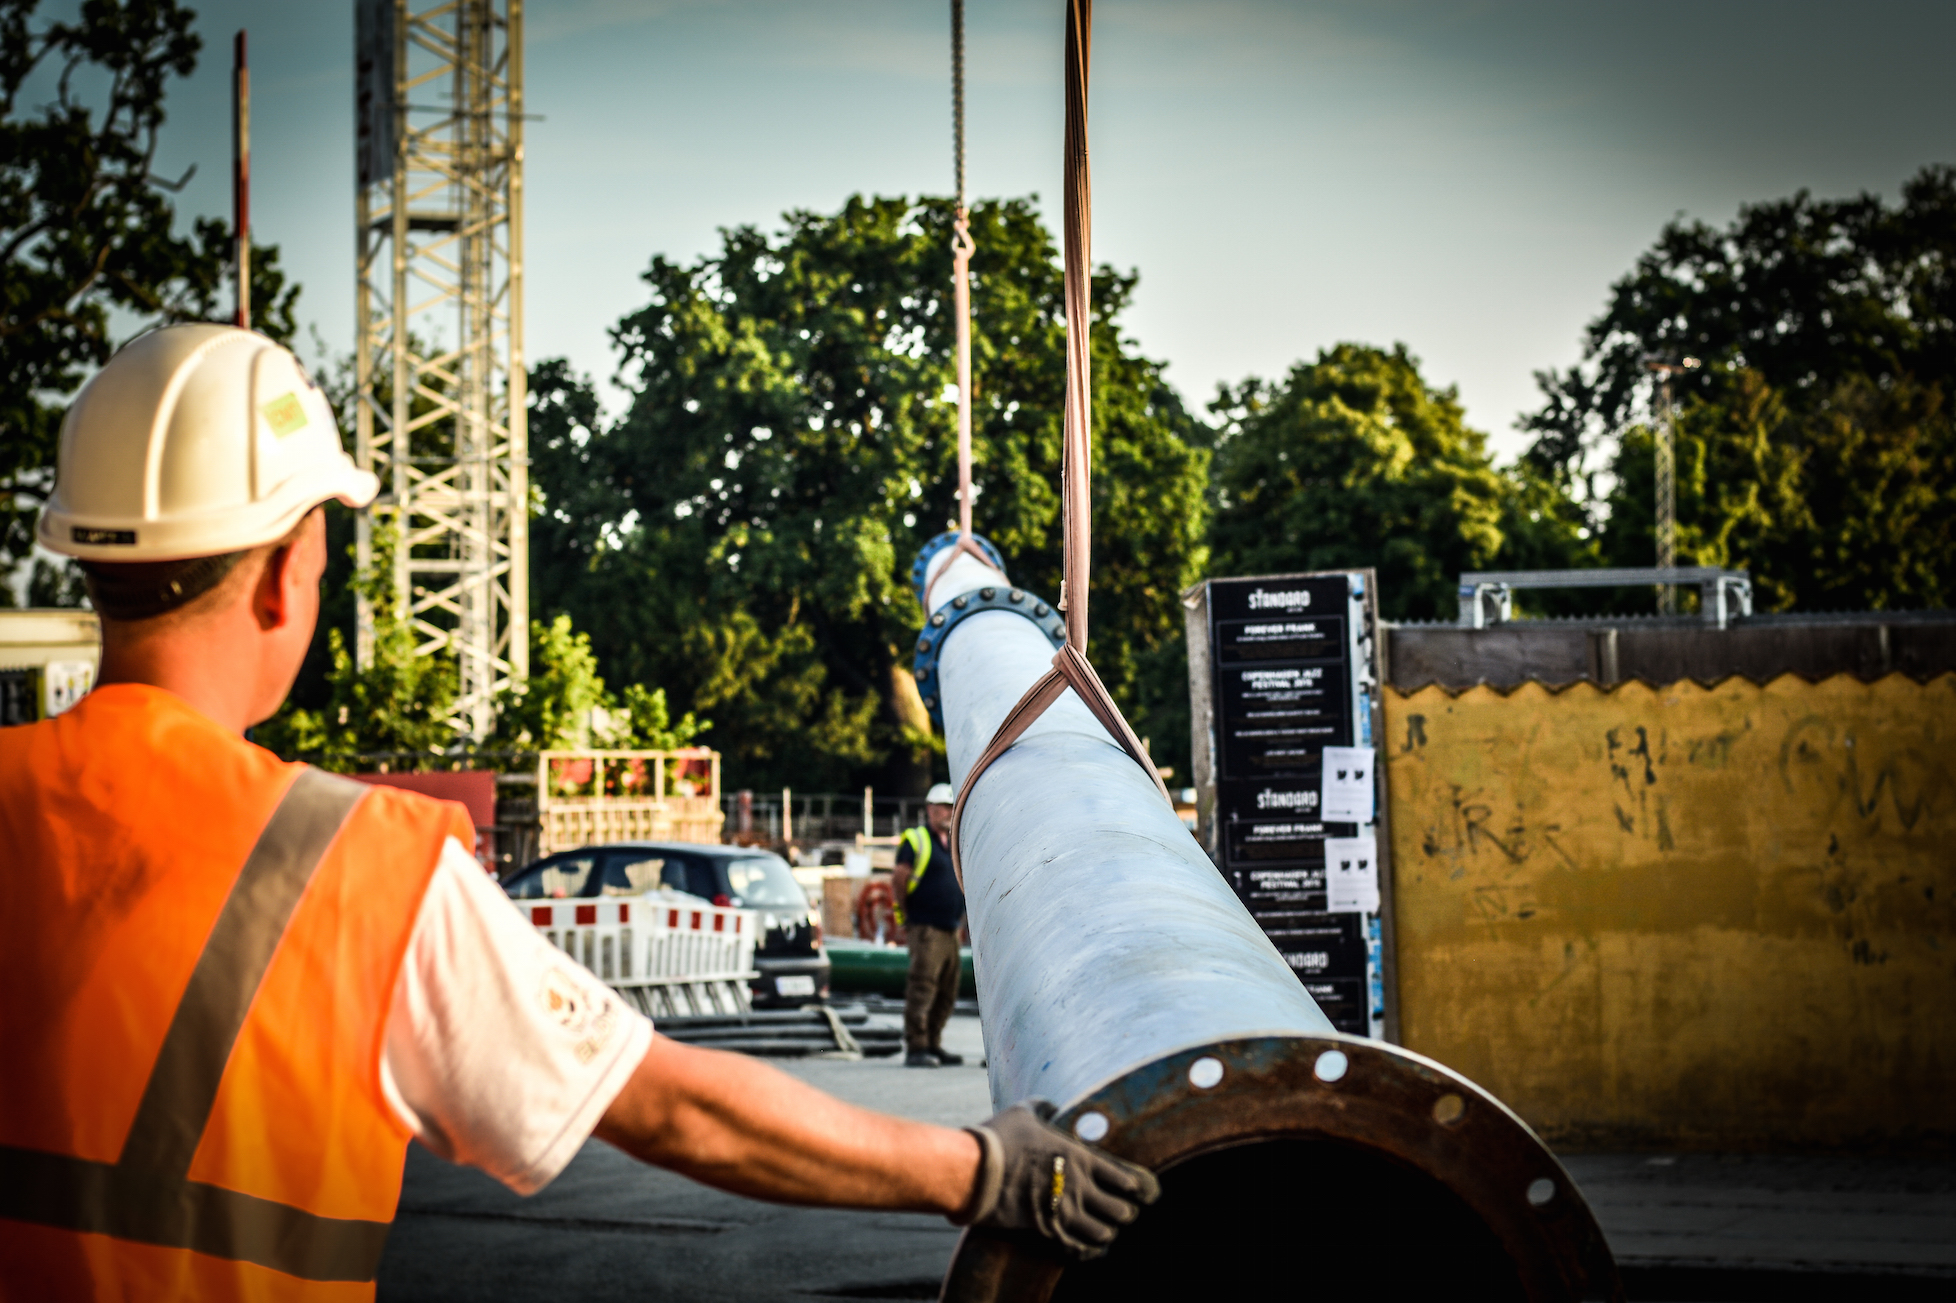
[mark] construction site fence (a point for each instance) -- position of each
(589, 797)
(820, 816)
(670, 956)
(1693, 915)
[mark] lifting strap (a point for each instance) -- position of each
(1070, 667)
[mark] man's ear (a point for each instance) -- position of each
(275, 590)
(271, 597)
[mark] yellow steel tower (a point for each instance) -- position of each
(441, 407)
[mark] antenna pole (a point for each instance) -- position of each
(241, 177)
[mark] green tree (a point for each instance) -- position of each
(1814, 441)
(1845, 504)
(553, 708)
(744, 534)
(645, 722)
(1353, 460)
(87, 238)
(1735, 484)
(565, 704)
(395, 710)
(396, 706)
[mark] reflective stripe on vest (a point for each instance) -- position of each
(207, 948)
(146, 1195)
(918, 840)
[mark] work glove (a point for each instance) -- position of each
(1035, 1177)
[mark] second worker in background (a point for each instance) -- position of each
(930, 906)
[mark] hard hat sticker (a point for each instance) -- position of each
(284, 414)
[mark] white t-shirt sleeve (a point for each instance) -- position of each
(502, 1051)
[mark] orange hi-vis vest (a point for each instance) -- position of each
(202, 947)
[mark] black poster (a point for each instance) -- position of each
(1282, 715)
(1291, 659)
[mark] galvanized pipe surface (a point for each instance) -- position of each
(1120, 978)
(1102, 936)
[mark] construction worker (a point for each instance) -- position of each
(236, 987)
(929, 904)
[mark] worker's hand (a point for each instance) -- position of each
(1035, 1177)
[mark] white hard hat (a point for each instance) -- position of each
(941, 794)
(195, 440)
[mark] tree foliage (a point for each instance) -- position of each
(565, 704)
(87, 236)
(1814, 440)
(395, 709)
(395, 706)
(744, 534)
(1353, 460)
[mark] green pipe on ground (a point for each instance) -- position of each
(866, 968)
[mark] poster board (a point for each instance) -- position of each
(1284, 675)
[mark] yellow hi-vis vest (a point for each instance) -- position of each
(919, 841)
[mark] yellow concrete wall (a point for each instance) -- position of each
(1704, 917)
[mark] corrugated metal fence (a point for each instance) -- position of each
(1721, 916)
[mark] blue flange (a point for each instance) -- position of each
(920, 568)
(937, 629)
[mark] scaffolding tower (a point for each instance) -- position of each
(441, 406)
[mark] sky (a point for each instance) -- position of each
(1466, 177)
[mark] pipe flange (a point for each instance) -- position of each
(930, 643)
(920, 568)
(1475, 1195)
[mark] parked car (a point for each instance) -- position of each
(793, 968)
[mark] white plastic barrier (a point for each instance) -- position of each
(670, 955)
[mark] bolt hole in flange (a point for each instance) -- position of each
(1293, 1166)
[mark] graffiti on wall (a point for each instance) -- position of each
(1639, 891)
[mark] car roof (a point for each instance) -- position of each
(678, 848)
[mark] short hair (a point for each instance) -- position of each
(143, 590)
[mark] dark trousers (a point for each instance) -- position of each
(932, 988)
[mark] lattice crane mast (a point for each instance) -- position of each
(439, 368)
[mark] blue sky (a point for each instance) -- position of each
(1465, 177)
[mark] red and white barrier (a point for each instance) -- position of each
(670, 955)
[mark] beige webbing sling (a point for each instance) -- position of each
(1070, 666)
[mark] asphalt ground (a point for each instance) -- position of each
(610, 1227)
(1688, 1228)
(1778, 1227)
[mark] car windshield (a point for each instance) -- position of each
(553, 880)
(632, 875)
(764, 881)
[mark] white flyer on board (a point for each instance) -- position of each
(1351, 875)
(1346, 791)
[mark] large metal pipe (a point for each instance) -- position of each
(1120, 978)
(1065, 826)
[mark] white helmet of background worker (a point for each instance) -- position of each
(941, 794)
(195, 441)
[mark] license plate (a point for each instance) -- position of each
(803, 985)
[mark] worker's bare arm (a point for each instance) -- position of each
(740, 1125)
(900, 884)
